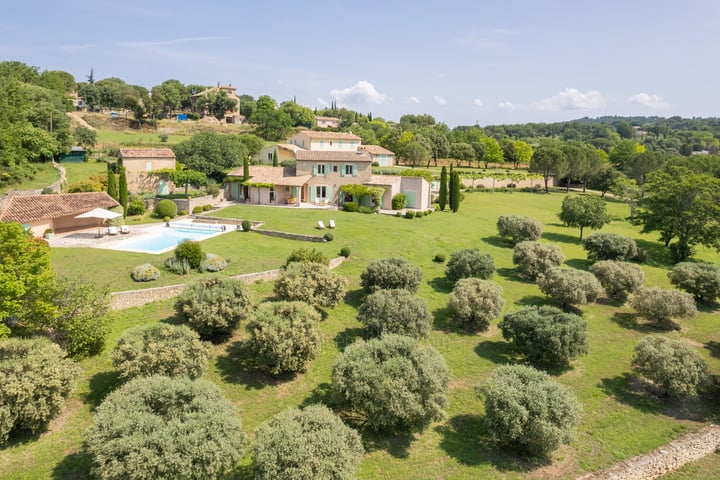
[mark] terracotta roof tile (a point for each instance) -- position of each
(31, 208)
(146, 153)
(383, 180)
(376, 150)
(333, 135)
(320, 156)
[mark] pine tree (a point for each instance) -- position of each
(275, 159)
(123, 197)
(443, 188)
(455, 193)
(246, 177)
(112, 186)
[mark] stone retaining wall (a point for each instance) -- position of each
(663, 460)
(292, 236)
(136, 298)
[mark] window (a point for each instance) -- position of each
(320, 169)
(340, 143)
(272, 194)
(335, 168)
(331, 143)
(352, 144)
(148, 166)
(269, 157)
(348, 170)
(286, 189)
(320, 191)
(322, 143)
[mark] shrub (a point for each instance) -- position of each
(672, 365)
(308, 444)
(145, 273)
(312, 283)
(526, 410)
(570, 286)
(618, 278)
(212, 188)
(660, 306)
(166, 208)
(469, 263)
(213, 306)
(534, 259)
(197, 209)
(246, 225)
(350, 207)
(345, 252)
(284, 336)
(701, 280)
(366, 210)
(329, 237)
(410, 214)
(474, 302)
(546, 335)
(419, 214)
(518, 229)
(36, 381)
(305, 255)
(181, 266)
(394, 382)
(439, 258)
(213, 263)
(399, 201)
(160, 349)
(395, 311)
(171, 427)
(183, 212)
(136, 207)
(207, 208)
(398, 214)
(191, 250)
(389, 273)
(609, 246)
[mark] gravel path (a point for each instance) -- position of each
(665, 459)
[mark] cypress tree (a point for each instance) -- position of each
(451, 189)
(123, 197)
(112, 186)
(455, 193)
(275, 160)
(443, 188)
(246, 177)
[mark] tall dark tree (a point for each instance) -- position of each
(123, 194)
(442, 198)
(275, 159)
(548, 161)
(112, 186)
(455, 193)
(246, 177)
(451, 190)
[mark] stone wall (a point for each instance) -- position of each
(292, 236)
(135, 298)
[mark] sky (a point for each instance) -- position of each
(463, 62)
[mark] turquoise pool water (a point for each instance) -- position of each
(165, 240)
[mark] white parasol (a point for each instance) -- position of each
(100, 213)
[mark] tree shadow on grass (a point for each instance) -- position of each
(397, 445)
(579, 263)
(713, 347)
(626, 389)
(467, 439)
(560, 237)
(320, 394)
(75, 466)
(498, 352)
(238, 367)
(101, 384)
(355, 297)
(534, 300)
(657, 254)
(512, 274)
(631, 321)
(441, 284)
(497, 242)
(348, 337)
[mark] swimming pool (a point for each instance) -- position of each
(168, 238)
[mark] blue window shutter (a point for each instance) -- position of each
(314, 169)
(328, 192)
(327, 169)
(355, 170)
(342, 170)
(312, 193)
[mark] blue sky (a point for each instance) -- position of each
(463, 62)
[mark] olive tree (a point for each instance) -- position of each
(284, 336)
(618, 278)
(527, 411)
(474, 302)
(36, 379)
(516, 229)
(391, 273)
(672, 365)
(609, 246)
(584, 211)
(160, 349)
(534, 258)
(546, 335)
(213, 306)
(469, 263)
(165, 428)
(701, 280)
(570, 286)
(393, 382)
(312, 283)
(308, 444)
(395, 311)
(660, 305)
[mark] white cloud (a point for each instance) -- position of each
(440, 100)
(173, 41)
(568, 99)
(478, 103)
(414, 99)
(648, 100)
(362, 92)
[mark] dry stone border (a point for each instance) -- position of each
(665, 459)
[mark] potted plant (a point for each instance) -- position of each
(49, 233)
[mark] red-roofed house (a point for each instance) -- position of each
(57, 211)
(139, 162)
(382, 156)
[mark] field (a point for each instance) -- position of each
(621, 417)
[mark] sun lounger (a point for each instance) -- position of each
(331, 224)
(124, 229)
(112, 231)
(320, 225)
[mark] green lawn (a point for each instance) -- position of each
(620, 419)
(132, 138)
(45, 175)
(75, 172)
